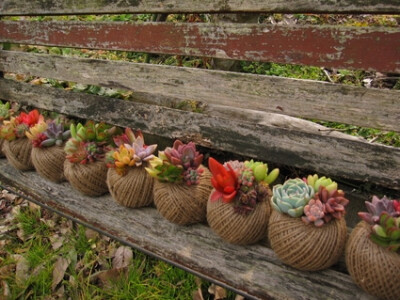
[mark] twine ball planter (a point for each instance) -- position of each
(182, 204)
(134, 189)
(306, 247)
(237, 228)
(372, 267)
(18, 153)
(89, 179)
(49, 162)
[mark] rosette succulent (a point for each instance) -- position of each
(5, 111)
(291, 197)
(384, 218)
(316, 182)
(131, 152)
(48, 134)
(179, 163)
(243, 183)
(89, 142)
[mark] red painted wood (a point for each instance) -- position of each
(340, 47)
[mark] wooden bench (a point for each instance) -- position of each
(242, 114)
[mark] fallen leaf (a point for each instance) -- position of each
(217, 291)
(6, 290)
(60, 267)
(34, 206)
(122, 258)
(198, 294)
(10, 197)
(6, 270)
(239, 297)
(21, 270)
(56, 241)
(106, 277)
(91, 234)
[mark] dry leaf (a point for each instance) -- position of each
(56, 241)
(239, 297)
(105, 277)
(6, 290)
(21, 270)
(60, 267)
(198, 294)
(217, 291)
(91, 234)
(122, 258)
(33, 206)
(8, 196)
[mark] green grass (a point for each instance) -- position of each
(143, 278)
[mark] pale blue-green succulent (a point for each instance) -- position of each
(291, 197)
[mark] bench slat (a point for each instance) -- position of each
(341, 157)
(299, 98)
(253, 271)
(22, 7)
(369, 48)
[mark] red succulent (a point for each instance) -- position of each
(30, 118)
(396, 204)
(224, 181)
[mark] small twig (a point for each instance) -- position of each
(373, 139)
(333, 129)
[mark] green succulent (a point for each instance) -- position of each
(260, 171)
(316, 182)
(387, 232)
(291, 197)
(5, 110)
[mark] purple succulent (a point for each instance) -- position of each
(184, 155)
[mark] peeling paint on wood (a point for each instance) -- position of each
(367, 48)
(299, 98)
(209, 257)
(60, 7)
(329, 155)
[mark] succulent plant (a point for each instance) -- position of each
(5, 111)
(316, 182)
(89, 142)
(132, 154)
(163, 170)
(387, 232)
(17, 126)
(260, 171)
(236, 182)
(47, 134)
(184, 155)
(292, 196)
(179, 163)
(224, 180)
(314, 213)
(376, 207)
(334, 203)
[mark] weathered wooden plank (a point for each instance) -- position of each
(299, 98)
(36, 7)
(369, 48)
(253, 271)
(330, 155)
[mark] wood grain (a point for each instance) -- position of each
(329, 155)
(253, 271)
(368, 48)
(37, 7)
(299, 98)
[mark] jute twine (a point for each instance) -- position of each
(237, 228)
(371, 266)
(18, 153)
(182, 204)
(134, 189)
(89, 179)
(306, 247)
(1, 148)
(49, 162)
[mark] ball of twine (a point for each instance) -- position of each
(372, 267)
(237, 228)
(134, 189)
(49, 162)
(18, 153)
(306, 247)
(182, 204)
(1, 148)
(89, 179)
